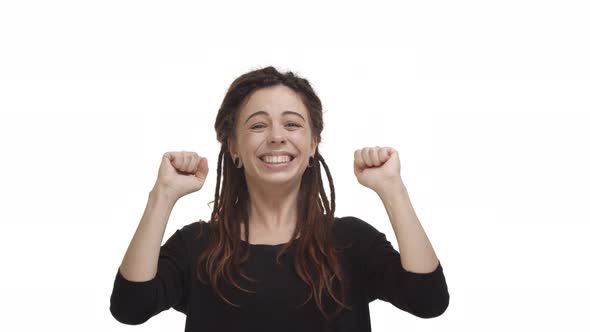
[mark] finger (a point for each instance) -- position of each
(202, 168)
(175, 159)
(358, 159)
(391, 151)
(366, 157)
(170, 156)
(187, 161)
(182, 161)
(374, 154)
(194, 161)
(383, 155)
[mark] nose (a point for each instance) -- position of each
(277, 138)
(276, 135)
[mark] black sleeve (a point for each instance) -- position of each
(135, 302)
(423, 295)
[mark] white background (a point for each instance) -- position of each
(486, 103)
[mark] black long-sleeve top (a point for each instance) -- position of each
(371, 265)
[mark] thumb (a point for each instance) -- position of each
(168, 156)
(202, 169)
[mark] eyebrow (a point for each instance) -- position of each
(266, 113)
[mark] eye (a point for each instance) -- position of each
(256, 126)
(290, 124)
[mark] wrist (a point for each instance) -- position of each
(162, 192)
(393, 185)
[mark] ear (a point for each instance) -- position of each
(230, 147)
(314, 145)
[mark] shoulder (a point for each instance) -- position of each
(354, 225)
(350, 228)
(195, 235)
(195, 227)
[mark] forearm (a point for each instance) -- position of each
(140, 262)
(417, 254)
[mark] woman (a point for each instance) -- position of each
(274, 256)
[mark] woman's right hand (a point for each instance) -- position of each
(181, 173)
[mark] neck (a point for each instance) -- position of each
(273, 207)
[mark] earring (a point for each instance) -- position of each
(310, 162)
(237, 162)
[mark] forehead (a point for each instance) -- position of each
(274, 100)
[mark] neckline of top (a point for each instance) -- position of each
(264, 245)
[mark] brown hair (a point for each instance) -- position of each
(316, 259)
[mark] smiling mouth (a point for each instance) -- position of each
(279, 161)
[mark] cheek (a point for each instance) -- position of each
(302, 140)
(252, 139)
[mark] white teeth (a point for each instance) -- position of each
(276, 159)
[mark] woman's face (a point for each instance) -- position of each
(273, 120)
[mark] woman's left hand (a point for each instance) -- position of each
(376, 167)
